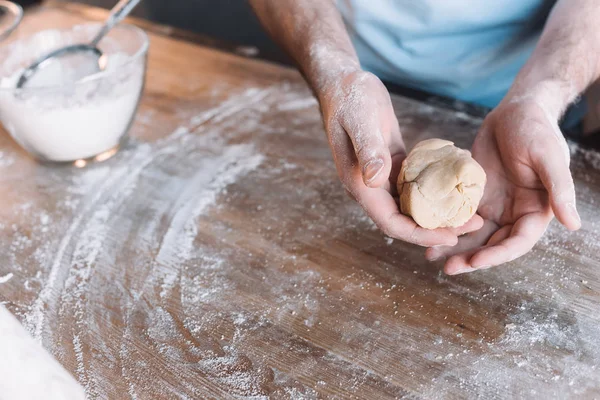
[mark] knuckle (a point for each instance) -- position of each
(368, 146)
(541, 153)
(386, 230)
(360, 81)
(367, 77)
(387, 227)
(356, 77)
(364, 151)
(413, 236)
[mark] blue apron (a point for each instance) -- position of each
(466, 49)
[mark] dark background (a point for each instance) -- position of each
(228, 20)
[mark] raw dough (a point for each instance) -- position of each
(440, 185)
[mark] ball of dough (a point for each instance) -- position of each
(440, 185)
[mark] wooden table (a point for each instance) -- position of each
(217, 256)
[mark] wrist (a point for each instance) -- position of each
(326, 67)
(552, 96)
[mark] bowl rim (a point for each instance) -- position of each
(142, 51)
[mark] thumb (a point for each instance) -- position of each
(371, 151)
(553, 169)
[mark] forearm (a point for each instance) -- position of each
(313, 34)
(567, 58)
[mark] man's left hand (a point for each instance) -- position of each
(526, 160)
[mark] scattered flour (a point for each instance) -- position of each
(187, 321)
(590, 156)
(212, 179)
(97, 194)
(6, 159)
(299, 104)
(6, 278)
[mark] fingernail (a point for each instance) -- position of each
(573, 212)
(483, 267)
(458, 272)
(463, 271)
(372, 169)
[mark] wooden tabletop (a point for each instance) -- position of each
(217, 256)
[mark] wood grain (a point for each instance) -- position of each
(217, 256)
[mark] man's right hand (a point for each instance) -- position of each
(368, 151)
(361, 125)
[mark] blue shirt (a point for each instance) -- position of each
(467, 49)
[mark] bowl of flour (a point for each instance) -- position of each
(57, 119)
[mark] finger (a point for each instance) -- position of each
(523, 236)
(465, 243)
(556, 177)
(378, 202)
(395, 172)
(398, 153)
(369, 144)
(459, 263)
(396, 142)
(475, 223)
(468, 242)
(387, 187)
(500, 235)
(383, 210)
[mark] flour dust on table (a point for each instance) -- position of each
(98, 195)
(217, 256)
(186, 250)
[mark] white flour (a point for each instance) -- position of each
(71, 123)
(203, 306)
(6, 278)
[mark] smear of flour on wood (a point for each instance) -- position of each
(35, 319)
(182, 323)
(231, 106)
(298, 104)
(218, 172)
(590, 156)
(97, 192)
(237, 160)
(215, 172)
(201, 192)
(143, 156)
(6, 278)
(543, 336)
(6, 159)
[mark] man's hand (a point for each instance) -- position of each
(360, 122)
(368, 151)
(522, 149)
(526, 160)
